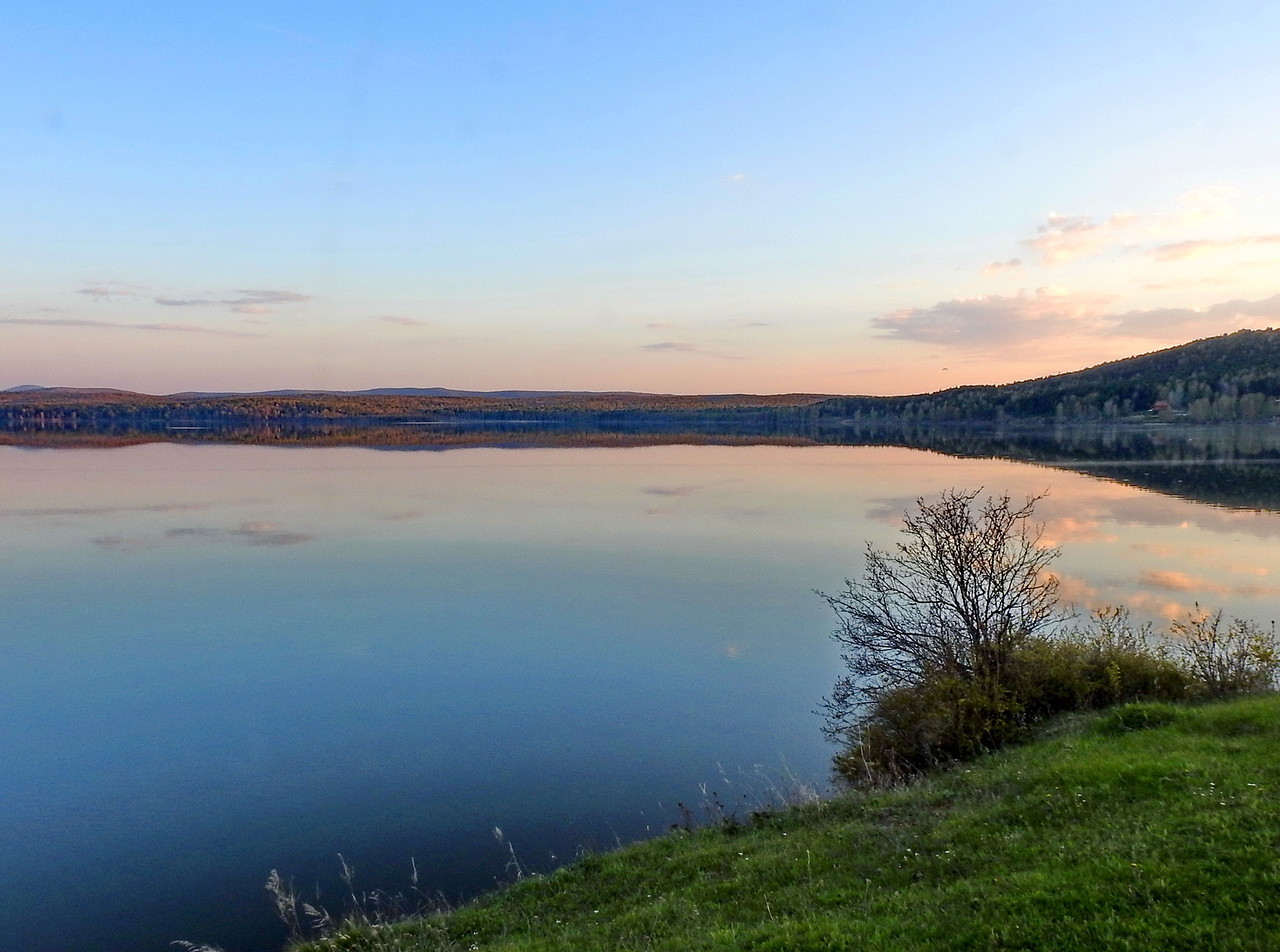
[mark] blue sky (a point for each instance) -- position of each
(688, 197)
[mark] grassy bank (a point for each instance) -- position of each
(1146, 827)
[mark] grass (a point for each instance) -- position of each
(1147, 827)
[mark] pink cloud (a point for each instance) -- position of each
(1002, 267)
(1065, 238)
(993, 321)
(1182, 250)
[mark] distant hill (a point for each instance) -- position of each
(1228, 378)
(1232, 377)
(376, 392)
(33, 389)
(419, 392)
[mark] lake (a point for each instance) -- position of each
(221, 660)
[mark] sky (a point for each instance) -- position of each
(687, 197)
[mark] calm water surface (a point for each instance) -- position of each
(221, 660)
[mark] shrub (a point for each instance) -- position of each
(918, 727)
(1236, 658)
(954, 602)
(1135, 717)
(954, 645)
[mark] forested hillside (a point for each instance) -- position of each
(1233, 377)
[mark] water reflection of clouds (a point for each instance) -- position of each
(122, 543)
(1073, 529)
(673, 492)
(248, 533)
(406, 515)
(102, 510)
(1154, 605)
(1076, 591)
(1176, 581)
(1083, 595)
(1156, 511)
(1217, 555)
(267, 533)
(888, 510)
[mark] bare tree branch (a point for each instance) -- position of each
(967, 587)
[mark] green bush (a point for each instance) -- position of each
(1238, 657)
(940, 718)
(921, 726)
(954, 643)
(1109, 662)
(1135, 717)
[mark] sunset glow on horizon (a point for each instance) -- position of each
(826, 197)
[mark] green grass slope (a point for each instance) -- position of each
(1144, 828)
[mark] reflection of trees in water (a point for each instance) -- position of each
(1235, 465)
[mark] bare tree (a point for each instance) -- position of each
(968, 586)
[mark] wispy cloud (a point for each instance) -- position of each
(101, 292)
(684, 347)
(115, 326)
(1065, 238)
(1002, 267)
(247, 302)
(1182, 250)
